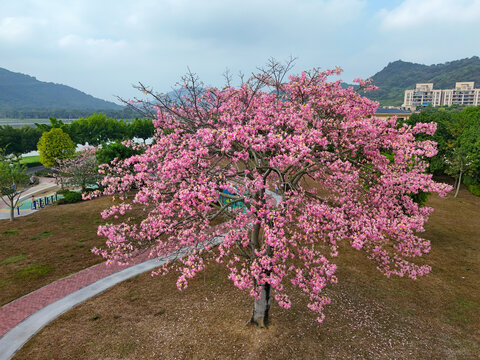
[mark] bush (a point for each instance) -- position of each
(70, 197)
(469, 180)
(34, 181)
(44, 173)
(474, 189)
(33, 164)
(420, 198)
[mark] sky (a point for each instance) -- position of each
(103, 47)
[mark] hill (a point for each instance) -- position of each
(399, 76)
(20, 92)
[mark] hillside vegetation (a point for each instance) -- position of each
(24, 92)
(399, 76)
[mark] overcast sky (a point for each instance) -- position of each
(102, 47)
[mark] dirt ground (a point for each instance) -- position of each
(371, 317)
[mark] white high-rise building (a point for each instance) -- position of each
(424, 95)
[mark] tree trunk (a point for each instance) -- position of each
(458, 183)
(261, 307)
(12, 211)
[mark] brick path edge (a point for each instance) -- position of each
(16, 337)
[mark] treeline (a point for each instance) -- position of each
(5, 112)
(94, 130)
(458, 139)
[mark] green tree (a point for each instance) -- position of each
(10, 140)
(55, 145)
(467, 145)
(13, 181)
(108, 152)
(142, 129)
(96, 129)
(29, 138)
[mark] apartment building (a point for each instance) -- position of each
(425, 95)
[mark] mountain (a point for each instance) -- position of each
(399, 76)
(24, 92)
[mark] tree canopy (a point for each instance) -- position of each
(342, 174)
(13, 181)
(54, 146)
(458, 139)
(79, 170)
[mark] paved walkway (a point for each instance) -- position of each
(46, 186)
(23, 318)
(18, 310)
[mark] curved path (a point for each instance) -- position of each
(24, 317)
(21, 319)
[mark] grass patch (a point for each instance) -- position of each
(34, 271)
(42, 238)
(42, 235)
(13, 259)
(463, 311)
(31, 161)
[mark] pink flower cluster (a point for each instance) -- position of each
(343, 176)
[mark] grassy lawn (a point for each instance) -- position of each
(371, 317)
(30, 159)
(47, 245)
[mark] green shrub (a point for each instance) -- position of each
(44, 173)
(420, 198)
(469, 180)
(33, 164)
(70, 197)
(474, 189)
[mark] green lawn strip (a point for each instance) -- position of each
(13, 259)
(30, 161)
(34, 271)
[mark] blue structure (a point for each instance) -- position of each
(225, 200)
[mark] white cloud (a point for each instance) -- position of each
(101, 48)
(415, 13)
(19, 29)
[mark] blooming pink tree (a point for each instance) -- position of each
(79, 170)
(343, 175)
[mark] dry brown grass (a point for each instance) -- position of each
(47, 245)
(371, 317)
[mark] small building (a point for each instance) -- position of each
(387, 113)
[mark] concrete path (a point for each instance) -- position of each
(21, 319)
(46, 185)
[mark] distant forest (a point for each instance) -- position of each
(23, 96)
(125, 113)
